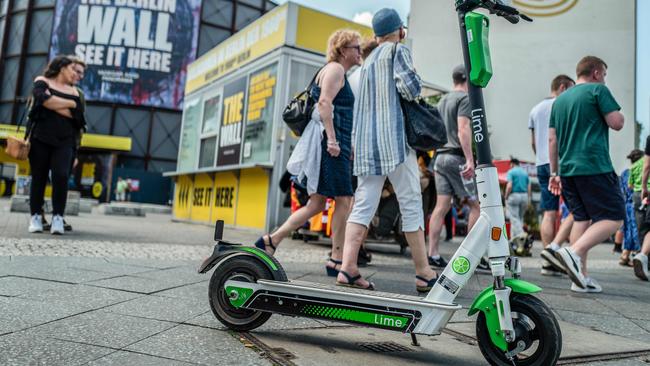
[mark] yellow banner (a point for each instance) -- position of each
(89, 140)
(253, 198)
(255, 40)
(226, 187)
(183, 197)
(314, 29)
(201, 200)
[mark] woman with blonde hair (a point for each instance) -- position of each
(335, 105)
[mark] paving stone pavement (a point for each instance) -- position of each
(124, 291)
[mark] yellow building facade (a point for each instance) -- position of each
(234, 144)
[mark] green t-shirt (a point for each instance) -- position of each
(636, 176)
(121, 186)
(519, 179)
(578, 116)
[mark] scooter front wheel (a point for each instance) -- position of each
(536, 329)
(239, 268)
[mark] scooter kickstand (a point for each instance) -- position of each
(414, 340)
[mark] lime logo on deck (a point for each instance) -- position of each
(544, 8)
(359, 316)
(460, 265)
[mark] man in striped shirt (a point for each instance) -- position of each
(381, 151)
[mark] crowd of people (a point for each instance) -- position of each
(362, 135)
(570, 136)
(357, 141)
(359, 129)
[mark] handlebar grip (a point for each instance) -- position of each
(507, 10)
(514, 19)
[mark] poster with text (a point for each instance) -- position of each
(187, 150)
(137, 51)
(232, 121)
(259, 115)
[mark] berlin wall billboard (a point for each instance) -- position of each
(137, 51)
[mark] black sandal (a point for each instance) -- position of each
(428, 287)
(332, 271)
(352, 282)
(262, 245)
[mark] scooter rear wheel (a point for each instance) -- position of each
(535, 325)
(239, 268)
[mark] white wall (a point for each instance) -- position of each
(527, 56)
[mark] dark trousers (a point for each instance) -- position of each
(44, 158)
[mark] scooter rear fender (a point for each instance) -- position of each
(224, 250)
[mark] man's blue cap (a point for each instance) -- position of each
(386, 21)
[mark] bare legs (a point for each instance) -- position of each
(419, 255)
(339, 218)
(564, 231)
(443, 203)
(547, 229)
(315, 205)
(354, 234)
(585, 236)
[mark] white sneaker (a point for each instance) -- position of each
(57, 225)
(572, 265)
(640, 262)
(36, 224)
(592, 286)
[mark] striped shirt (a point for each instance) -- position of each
(378, 133)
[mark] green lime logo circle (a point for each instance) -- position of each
(460, 265)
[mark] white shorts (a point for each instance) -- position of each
(406, 184)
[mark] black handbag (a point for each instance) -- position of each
(297, 113)
(423, 124)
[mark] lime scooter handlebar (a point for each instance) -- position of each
(496, 7)
(507, 12)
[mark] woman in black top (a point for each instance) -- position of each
(56, 119)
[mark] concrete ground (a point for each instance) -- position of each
(124, 291)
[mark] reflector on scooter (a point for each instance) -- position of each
(496, 233)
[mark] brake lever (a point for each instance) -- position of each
(514, 19)
(506, 9)
(510, 13)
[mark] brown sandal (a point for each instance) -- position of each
(625, 261)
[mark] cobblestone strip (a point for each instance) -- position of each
(88, 248)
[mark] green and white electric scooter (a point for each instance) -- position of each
(513, 327)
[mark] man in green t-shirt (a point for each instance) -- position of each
(579, 138)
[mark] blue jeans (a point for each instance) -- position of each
(549, 201)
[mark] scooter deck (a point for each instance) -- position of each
(336, 289)
(383, 310)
